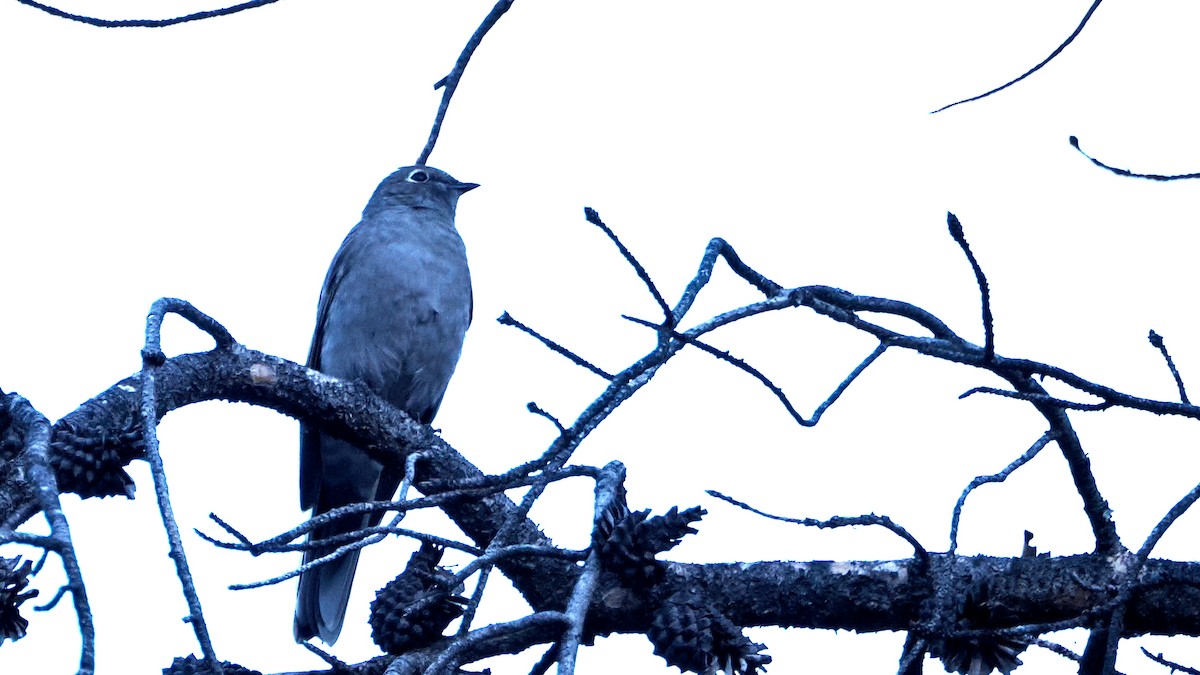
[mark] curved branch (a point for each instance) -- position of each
(1126, 172)
(1070, 38)
(449, 83)
(146, 23)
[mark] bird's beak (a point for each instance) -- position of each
(465, 187)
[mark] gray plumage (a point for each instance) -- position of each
(393, 312)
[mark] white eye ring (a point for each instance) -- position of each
(418, 176)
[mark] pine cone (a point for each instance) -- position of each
(663, 533)
(398, 629)
(977, 655)
(194, 666)
(628, 548)
(93, 466)
(690, 634)
(14, 577)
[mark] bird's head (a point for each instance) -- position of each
(418, 186)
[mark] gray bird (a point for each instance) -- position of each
(393, 313)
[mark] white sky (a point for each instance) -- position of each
(223, 161)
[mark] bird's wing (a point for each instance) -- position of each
(310, 437)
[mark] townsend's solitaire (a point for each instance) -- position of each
(393, 312)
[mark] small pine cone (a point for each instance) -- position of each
(194, 666)
(625, 554)
(92, 466)
(398, 629)
(663, 533)
(693, 636)
(977, 655)
(14, 577)
(629, 548)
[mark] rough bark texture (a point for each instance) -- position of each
(860, 596)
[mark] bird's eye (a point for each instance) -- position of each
(418, 176)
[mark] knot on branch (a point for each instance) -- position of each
(89, 457)
(14, 577)
(413, 609)
(194, 666)
(628, 543)
(692, 635)
(976, 654)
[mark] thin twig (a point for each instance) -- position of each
(762, 378)
(506, 319)
(537, 410)
(334, 662)
(1070, 38)
(447, 660)
(1157, 341)
(35, 429)
(994, 478)
(594, 218)
(1044, 399)
(146, 23)
(449, 83)
(152, 359)
(549, 658)
(1170, 664)
(837, 521)
(719, 248)
(1056, 648)
(468, 616)
(989, 336)
(1125, 172)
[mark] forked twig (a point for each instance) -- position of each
(152, 359)
(837, 521)
(994, 478)
(449, 83)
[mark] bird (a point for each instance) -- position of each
(393, 314)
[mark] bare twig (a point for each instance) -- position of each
(1070, 38)
(1157, 341)
(448, 660)
(989, 334)
(837, 521)
(594, 218)
(537, 410)
(468, 616)
(1170, 664)
(762, 378)
(719, 248)
(146, 23)
(35, 430)
(549, 658)
(506, 319)
(994, 478)
(334, 662)
(1056, 648)
(1044, 399)
(152, 359)
(1125, 172)
(449, 83)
